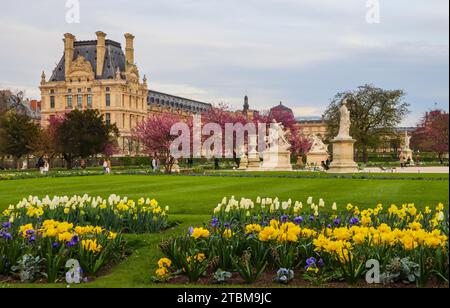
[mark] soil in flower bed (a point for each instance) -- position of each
(266, 281)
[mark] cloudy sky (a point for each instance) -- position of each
(301, 52)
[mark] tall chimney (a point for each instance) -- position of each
(129, 48)
(69, 41)
(101, 51)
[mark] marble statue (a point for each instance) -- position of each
(344, 128)
(318, 153)
(407, 141)
(277, 137)
(317, 145)
(277, 156)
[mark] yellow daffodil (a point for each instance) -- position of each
(198, 233)
(164, 262)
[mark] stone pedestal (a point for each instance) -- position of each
(316, 158)
(243, 163)
(176, 167)
(343, 156)
(300, 161)
(254, 160)
(408, 153)
(254, 164)
(276, 161)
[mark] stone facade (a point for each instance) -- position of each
(313, 126)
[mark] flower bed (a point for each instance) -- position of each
(290, 239)
(20, 175)
(114, 213)
(45, 250)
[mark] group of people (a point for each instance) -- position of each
(156, 164)
(107, 166)
(404, 161)
(43, 165)
(326, 164)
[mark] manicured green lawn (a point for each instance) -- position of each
(192, 199)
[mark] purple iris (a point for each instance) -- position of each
(6, 225)
(312, 218)
(5, 235)
(55, 245)
(30, 232)
(354, 221)
(227, 225)
(215, 222)
(75, 239)
(31, 239)
(321, 263)
(311, 262)
(337, 222)
(284, 218)
(191, 230)
(298, 220)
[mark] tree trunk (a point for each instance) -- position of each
(441, 160)
(69, 160)
(365, 155)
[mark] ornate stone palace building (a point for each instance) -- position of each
(99, 74)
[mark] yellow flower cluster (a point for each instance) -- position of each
(200, 257)
(65, 232)
(23, 229)
(200, 233)
(253, 228)
(286, 232)
(35, 212)
(163, 268)
(33, 207)
(91, 245)
(228, 234)
(88, 230)
(340, 241)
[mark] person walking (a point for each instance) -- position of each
(154, 164)
(40, 165)
(402, 161)
(105, 166)
(108, 166)
(46, 167)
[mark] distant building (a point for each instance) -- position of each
(31, 108)
(309, 125)
(163, 102)
(313, 125)
(247, 111)
(98, 74)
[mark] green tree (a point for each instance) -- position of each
(17, 135)
(375, 113)
(83, 134)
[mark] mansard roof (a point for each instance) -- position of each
(114, 58)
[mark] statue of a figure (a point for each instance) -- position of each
(317, 145)
(344, 128)
(277, 136)
(407, 141)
